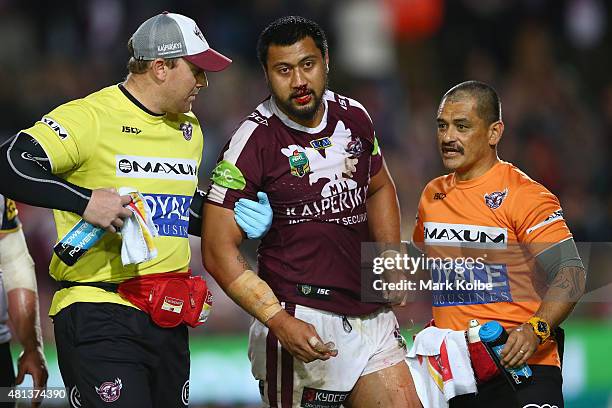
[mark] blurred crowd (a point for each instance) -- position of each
(548, 59)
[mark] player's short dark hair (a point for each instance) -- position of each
(287, 31)
(489, 106)
(138, 66)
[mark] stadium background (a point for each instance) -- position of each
(549, 61)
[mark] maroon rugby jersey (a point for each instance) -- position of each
(317, 181)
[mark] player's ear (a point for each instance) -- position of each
(496, 129)
(159, 69)
(326, 63)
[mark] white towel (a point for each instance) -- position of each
(440, 365)
(138, 230)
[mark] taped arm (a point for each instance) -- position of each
(26, 176)
(20, 283)
(222, 259)
(224, 262)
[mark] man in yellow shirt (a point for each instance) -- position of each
(142, 134)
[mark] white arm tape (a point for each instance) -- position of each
(16, 263)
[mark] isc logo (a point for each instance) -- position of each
(322, 291)
(130, 129)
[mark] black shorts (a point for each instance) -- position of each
(7, 371)
(545, 388)
(112, 355)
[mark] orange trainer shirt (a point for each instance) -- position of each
(490, 216)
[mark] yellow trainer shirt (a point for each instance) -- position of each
(107, 140)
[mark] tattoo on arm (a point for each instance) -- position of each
(568, 285)
(243, 262)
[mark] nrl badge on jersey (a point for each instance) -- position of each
(495, 199)
(187, 130)
(299, 164)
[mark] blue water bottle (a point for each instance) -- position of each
(494, 337)
(77, 241)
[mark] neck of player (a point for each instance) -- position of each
(138, 91)
(477, 169)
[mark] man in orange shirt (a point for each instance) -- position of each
(487, 207)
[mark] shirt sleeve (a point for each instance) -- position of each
(365, 125)
(239, 170)
(377, 158)
(68, 135)
(538, 218)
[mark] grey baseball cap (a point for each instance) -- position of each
(170, 35)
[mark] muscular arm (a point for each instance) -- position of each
(384, 225)
(383, 208)
(20, 283)
(561, 297)
(568, 280)
(23, 312)
(222, 259)
(222, 238)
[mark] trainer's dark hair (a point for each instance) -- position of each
(287, 31)
(489, 106)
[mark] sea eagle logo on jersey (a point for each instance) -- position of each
(187, 129)
(298, 163)
(110, 391)
(495, 199)
(355, 147)
(337, 165)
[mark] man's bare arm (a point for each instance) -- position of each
(223, 260)
(383, 208)
(20, 284)
(561, 297)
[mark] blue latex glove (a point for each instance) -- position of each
(255, 218)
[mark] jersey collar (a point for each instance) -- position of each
(478, 180)
(137, 102)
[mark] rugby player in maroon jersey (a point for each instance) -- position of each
(315, 154)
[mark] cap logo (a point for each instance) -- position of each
(199, 34)
(170, 48)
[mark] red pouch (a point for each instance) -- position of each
(482, 363)
(198, 295)
(169, 298)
